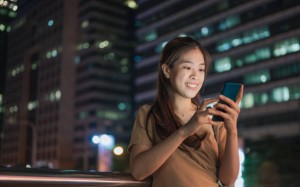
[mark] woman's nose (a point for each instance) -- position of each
(194, 75)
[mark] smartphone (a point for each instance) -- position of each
(231, 91)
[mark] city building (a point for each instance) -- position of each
(39, 94)
(256, 43)
(103, 77)
(253, 42)
(7, 13)
(69, 77)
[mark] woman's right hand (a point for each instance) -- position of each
(201, 116)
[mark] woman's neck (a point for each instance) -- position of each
(183, 106)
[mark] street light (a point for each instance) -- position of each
(105, 144)
(118, 150)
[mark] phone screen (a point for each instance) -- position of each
(231, 91)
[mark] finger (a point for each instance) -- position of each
(240, 94)
(215, 123)
(230, 103)
(215, 112)
(226, 114)
(231, 111)
(227, 100)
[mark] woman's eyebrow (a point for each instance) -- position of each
(188, 61)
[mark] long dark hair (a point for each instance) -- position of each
(166, 121)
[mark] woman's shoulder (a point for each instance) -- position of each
(145, 108)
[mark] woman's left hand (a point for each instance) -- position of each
(229, 111)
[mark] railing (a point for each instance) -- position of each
(66, 178)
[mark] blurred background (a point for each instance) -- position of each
(74, 72)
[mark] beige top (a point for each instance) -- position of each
(185, 167)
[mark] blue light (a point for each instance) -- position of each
(96, 139)
(104, 140)
(50, 23)
(107, 141)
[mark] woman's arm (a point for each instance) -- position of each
(144, 161)
(229, 167)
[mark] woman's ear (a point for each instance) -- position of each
(166, 70)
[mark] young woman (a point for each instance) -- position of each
(174, 139)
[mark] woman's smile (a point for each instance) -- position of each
(192, 85)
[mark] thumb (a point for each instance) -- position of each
(207, 102)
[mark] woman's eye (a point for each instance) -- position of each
(186, 67)
(201, 70)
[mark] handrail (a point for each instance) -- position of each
(67, 178)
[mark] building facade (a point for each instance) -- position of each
(69, 78)
(7, 13)
(103, 77)
(253, 42)
(39, 94)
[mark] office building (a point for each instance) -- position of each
(39, 94)
(7, 12)
(69, 78)
(103, 77)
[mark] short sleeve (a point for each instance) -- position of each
(139, 133)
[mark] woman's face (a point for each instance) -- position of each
(187, 74)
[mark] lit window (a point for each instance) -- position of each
(229, 22)
(248, 100)
(104, 44)
(224, 46)
(57, 94)
(281, 94)
(52, 96)
(137, 58)
(223, 64)
(124, 61)
(251, 58)
(83, 115)
(14, 73)
(8, 29)
(54, 53)
(32, 105)
(85, 24)
(33, 66)
(122, 106)
(77, 59)
(85, 45)
(151, 36)
(15, 8)
(263, 53)
(131, 4)
(2, 27)
(258, 77)
(205, 31)
(50, 23)
(264, 98)
(48, 55)
(236, 42)
(12, 14)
